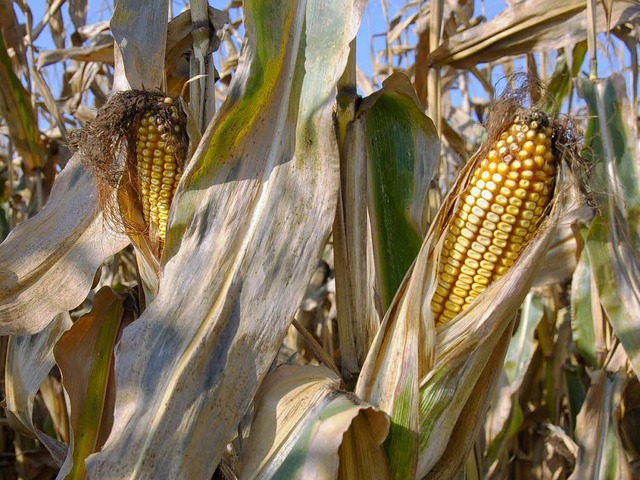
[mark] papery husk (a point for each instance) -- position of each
(454, 380)
(466, 346)
(42, 276)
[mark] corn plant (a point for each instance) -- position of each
(273, 277)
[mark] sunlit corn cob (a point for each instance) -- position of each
(158, 167)
(497, 215)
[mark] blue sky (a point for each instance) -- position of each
(372, 23)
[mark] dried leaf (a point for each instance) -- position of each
(361, 455)
(614, 234)
(526, 27)
(42, 276)
(310, 415)
(140, 38)
(601, 453)
(78, 12)
(29, 361)
(232, 281)
(102, 53)
(17, 111)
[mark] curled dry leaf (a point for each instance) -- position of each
(16, 109)
(601, 453)
(527, 27)
(58, 267)
(311, 416)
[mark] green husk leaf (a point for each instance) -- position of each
(391, 151)
(400, 145)
(403, 152)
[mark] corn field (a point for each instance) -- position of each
(319, 239)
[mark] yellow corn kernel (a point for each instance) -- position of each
(501, 208)
(158, 168)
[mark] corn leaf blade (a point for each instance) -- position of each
(42, 276)
(524, 27)
(140, 36)
(311, 416)
(267, 164)
(583, 303)
(613, 235)
(601, 453)
(16, 109)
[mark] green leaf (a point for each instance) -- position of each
(403, 152)
(582, 305)
(576, 390)
(613, 238)
(616, 274)
(559, 85)
(523, 344)
(610, 148)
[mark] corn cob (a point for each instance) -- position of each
(158, 167)
(497, 214)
